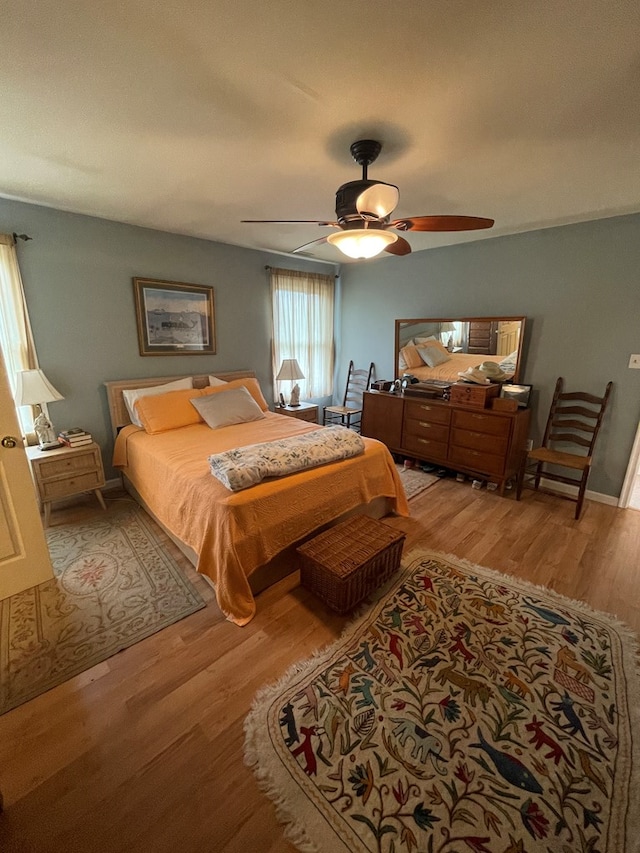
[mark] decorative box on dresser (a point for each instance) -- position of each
(303, 412)
(483, 443)
(66, 471)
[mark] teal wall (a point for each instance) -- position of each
(77, 273)
(577, 285)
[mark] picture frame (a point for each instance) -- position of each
(520, 393)
(174, 318)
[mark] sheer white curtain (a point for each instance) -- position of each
(16, 339)
(302, 310)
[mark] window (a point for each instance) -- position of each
(302, 312)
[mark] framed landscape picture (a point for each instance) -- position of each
(174, 318)
(519, 393)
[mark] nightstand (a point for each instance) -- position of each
(66, 471)
(303, 412)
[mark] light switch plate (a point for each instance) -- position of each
(634, 361)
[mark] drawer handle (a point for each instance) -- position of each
(426, 408)
(480, 417)
(425, 424)
(424, 441)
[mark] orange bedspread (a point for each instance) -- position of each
(235, 532)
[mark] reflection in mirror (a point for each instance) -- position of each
(442, 348)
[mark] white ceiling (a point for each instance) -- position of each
(191, 116)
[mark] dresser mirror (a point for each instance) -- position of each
(440, 349)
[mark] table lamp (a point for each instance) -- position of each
(33, 389)
(290, 369)
(446, 328)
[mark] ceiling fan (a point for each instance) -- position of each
(363, 212)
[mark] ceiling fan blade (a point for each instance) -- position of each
(291, 222)
(400, 247)
(378, 201)
(309, 245)
(441, 223)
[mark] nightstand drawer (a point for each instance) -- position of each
(303, 412)
(73, 485)
(308, 416)
(63, 466)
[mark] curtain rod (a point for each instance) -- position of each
(267, 267)
(24, 237)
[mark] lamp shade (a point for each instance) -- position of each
(362, 242)
(447, 327)
(289, 369)
(33, 388)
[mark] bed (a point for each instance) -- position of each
(242, 541)
(444, 365)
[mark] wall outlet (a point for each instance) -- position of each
(634, 361)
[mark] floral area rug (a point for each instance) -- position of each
(115, 583)
(415, 481)
(465, 712)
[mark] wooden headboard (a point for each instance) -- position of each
(118, 410)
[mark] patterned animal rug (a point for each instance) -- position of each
(465, 712)
(415, 481)
(115, 584)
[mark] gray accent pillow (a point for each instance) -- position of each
(433, 356)
(235, 406)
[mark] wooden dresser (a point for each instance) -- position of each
(483, 443)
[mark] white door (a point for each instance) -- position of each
(24, 558)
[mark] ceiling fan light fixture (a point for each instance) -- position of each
(379, 200)
(360, 243)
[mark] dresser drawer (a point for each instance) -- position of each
(425, 429)
(425, 447)
(51, 490)
(476, 460)
(68, 464)
(482, 422)
(483, 441)
(423, 411)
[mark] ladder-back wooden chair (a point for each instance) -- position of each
(349, 414)
(569, 438)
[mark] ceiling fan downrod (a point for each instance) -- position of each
(364, 152)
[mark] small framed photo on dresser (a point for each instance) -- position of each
(519, 393)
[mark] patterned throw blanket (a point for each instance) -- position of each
(243, 467)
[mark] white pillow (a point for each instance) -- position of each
(433, 356)
(418, 341)
(213, 381)
(235, 406)
(131, 396)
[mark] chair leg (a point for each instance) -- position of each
(581, 493)
(521, 475)
(538, 475)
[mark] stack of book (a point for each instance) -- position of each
(75, 437)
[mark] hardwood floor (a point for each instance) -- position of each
(144, 752)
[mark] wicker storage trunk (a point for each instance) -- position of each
(345, 563)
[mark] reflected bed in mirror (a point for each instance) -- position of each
(443, 348)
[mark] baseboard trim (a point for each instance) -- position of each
(564, 489)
